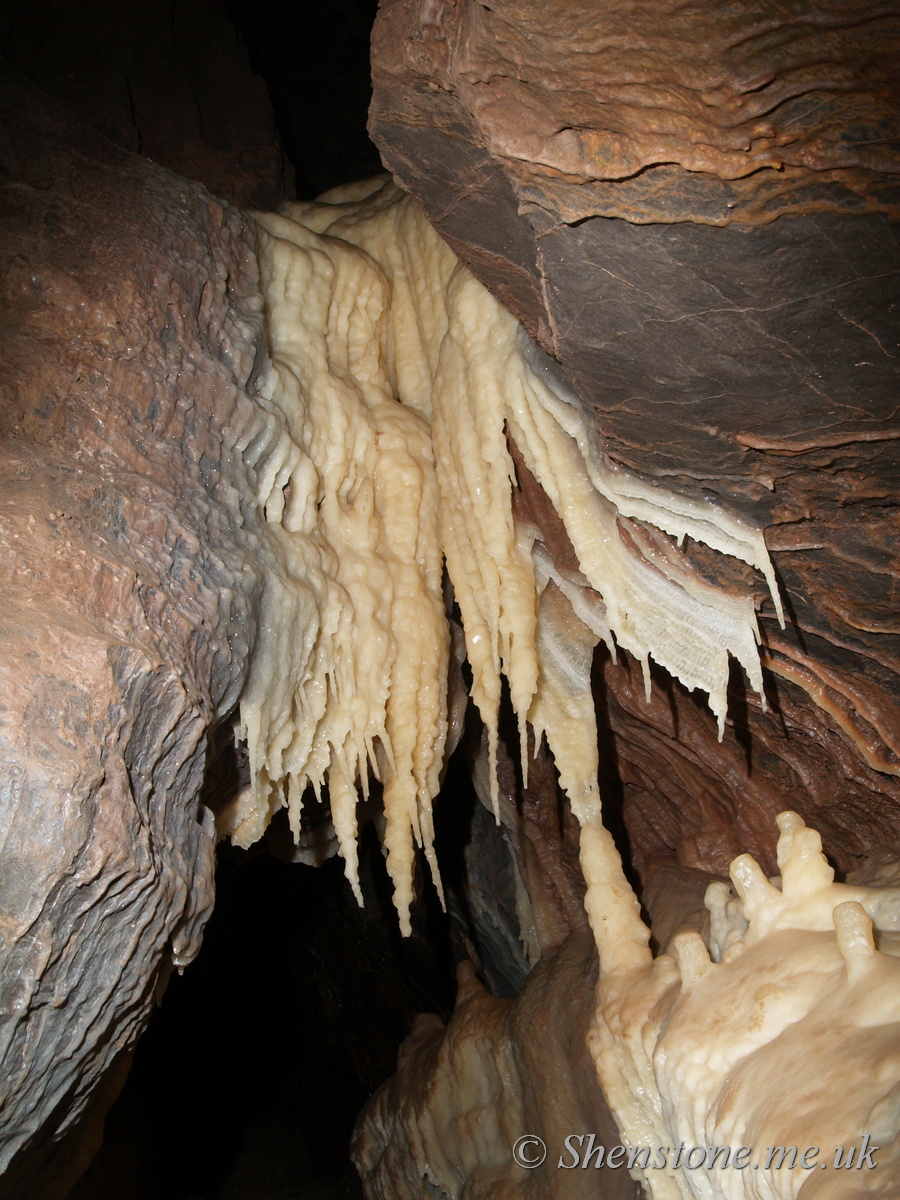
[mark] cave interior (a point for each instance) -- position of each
(259, 1058)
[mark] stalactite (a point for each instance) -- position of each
(394, 380)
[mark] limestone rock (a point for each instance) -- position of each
(129, 319)
(614, 174)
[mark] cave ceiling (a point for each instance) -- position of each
(722, 351)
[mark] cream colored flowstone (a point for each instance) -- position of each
(393, 378)
(784, 1032)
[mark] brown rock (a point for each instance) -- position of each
(128, 324)
(580, 160)
(649, 113)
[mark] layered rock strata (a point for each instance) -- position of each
(616, 182)
(130, 326)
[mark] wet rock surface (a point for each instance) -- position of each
(128, 328)
(753, 364)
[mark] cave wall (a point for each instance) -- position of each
(130, 323)
(694, 214)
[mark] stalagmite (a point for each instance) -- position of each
(803, 1051)
(394, 381)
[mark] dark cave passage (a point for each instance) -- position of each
(252, 1071)
(260, 1056)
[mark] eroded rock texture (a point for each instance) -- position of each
(582, 161)
(129, 323)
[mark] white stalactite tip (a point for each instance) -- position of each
(393, 377)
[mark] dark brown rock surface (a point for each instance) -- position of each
(648, 112)
(129, 319)
(691, 210)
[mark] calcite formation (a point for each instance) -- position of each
(778, 1030)
(802, 1048)
(461, 1098)
(399, 378)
